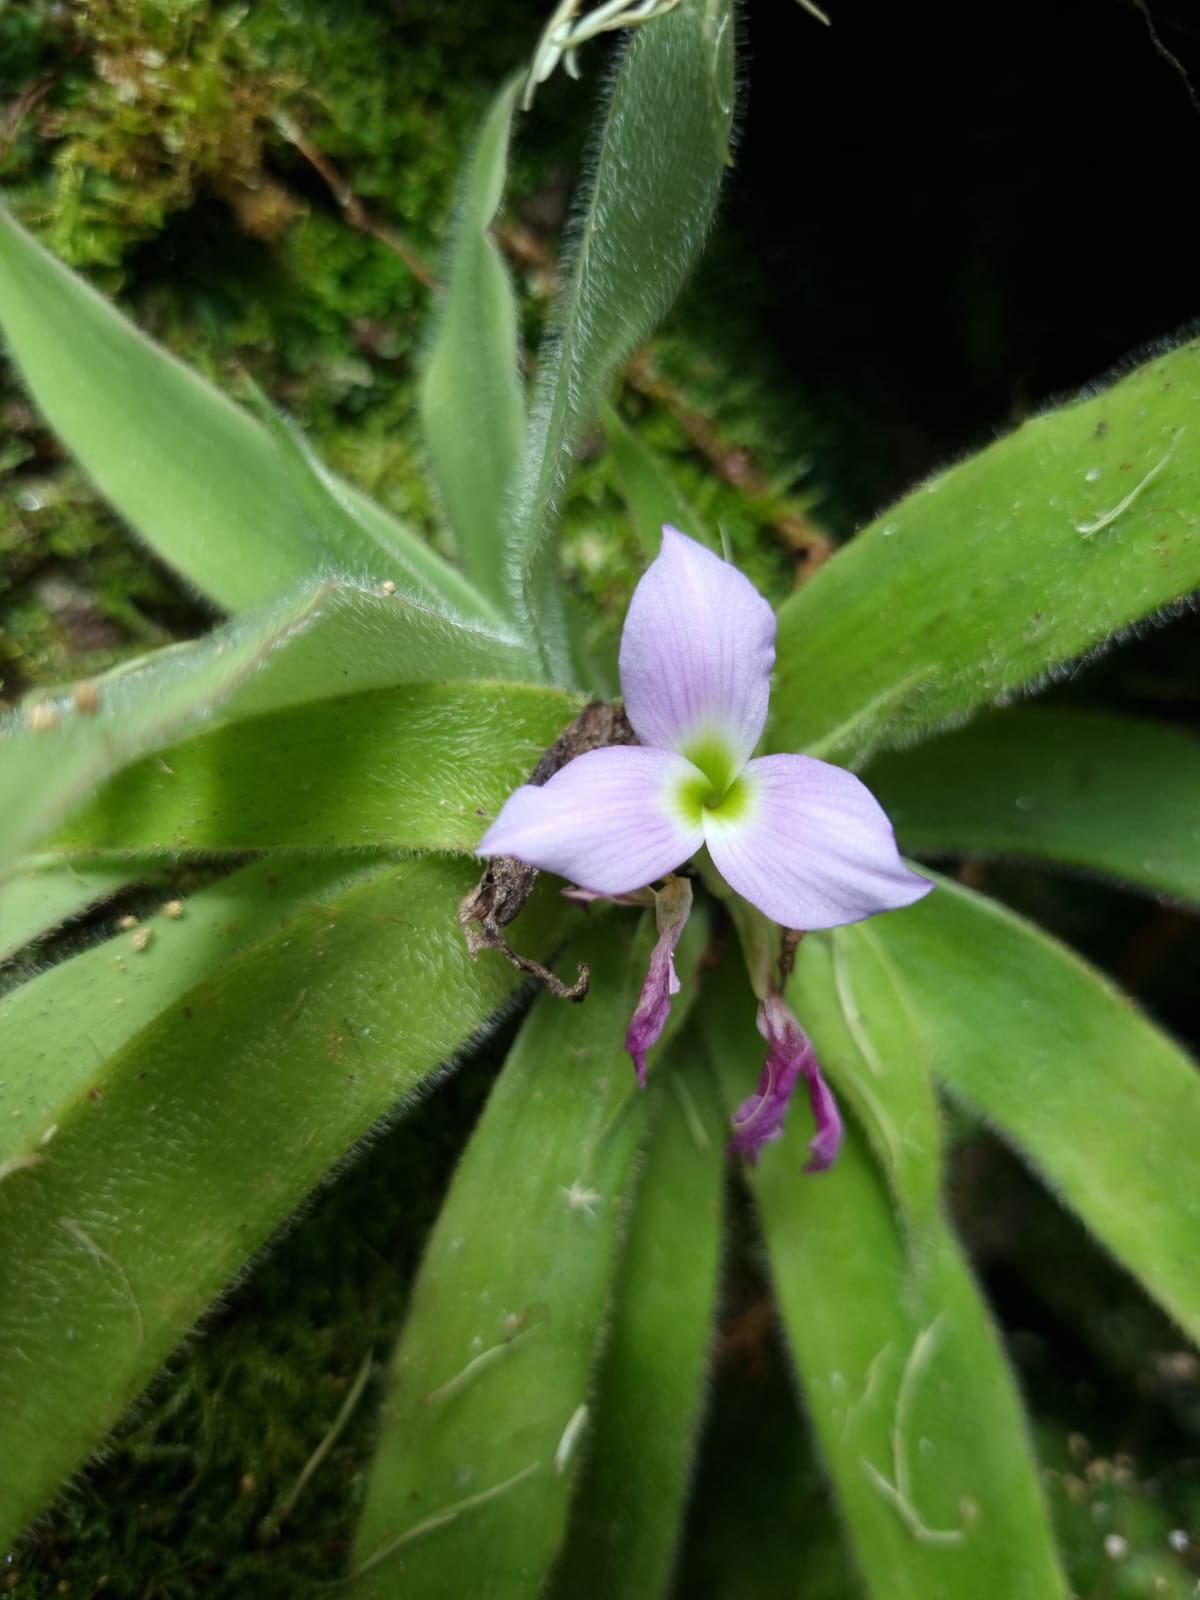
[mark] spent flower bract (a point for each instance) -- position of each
(802, 841)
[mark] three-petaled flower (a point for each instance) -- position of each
(803, 841)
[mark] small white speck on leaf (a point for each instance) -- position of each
(570, 1437)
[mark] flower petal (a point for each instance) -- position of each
(696, 655)
(758, 1121)
(809, 845)
(672, 904)
(609, 820)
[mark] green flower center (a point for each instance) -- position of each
(715, 786)
(712, 756)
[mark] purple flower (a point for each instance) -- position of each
(803, 841)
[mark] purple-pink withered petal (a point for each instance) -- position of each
(810, 846)
(697, 652)
(759, 1120)
(606, 821)
(672, 904)
(823, 1147)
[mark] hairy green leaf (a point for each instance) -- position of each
(44, 893)
(871, 1049)
(998, 570)
(334, 640)
(59, 1027)
(1108, 794)
(54, 749)
(176, 1156)
(472, 405)
(424, 767)
(487, 1413)
(655, 172)
(912, 1400)
(216, 494)
(903, 1376)
(626, 1515)
(359, 639)
(1102, 1103)
(491, 1403)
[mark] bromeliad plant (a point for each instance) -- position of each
(173, 1092)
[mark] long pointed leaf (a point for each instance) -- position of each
(1109, 794)
(1103, 1104)
(914, 1404)
(361, 640)
(486, 1413)
(655, 173)
(44, 893)
(208, 487)
(53, 751)
(626, 1517)
(472, 406)
(419, 768)
(998, 570)
(902, 1373)
(872, 1050)
(181, 1154)
(333, 640)
(490, 1407)
(63, 1025)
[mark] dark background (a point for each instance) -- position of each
(960, 212)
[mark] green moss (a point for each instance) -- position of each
(1115, 1518)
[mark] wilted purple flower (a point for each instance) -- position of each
(672, 904)
(803, 841)
(758, 1121)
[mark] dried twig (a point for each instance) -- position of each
(1168, 56)
(30, 97)
(736, 465)
(356, 213)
